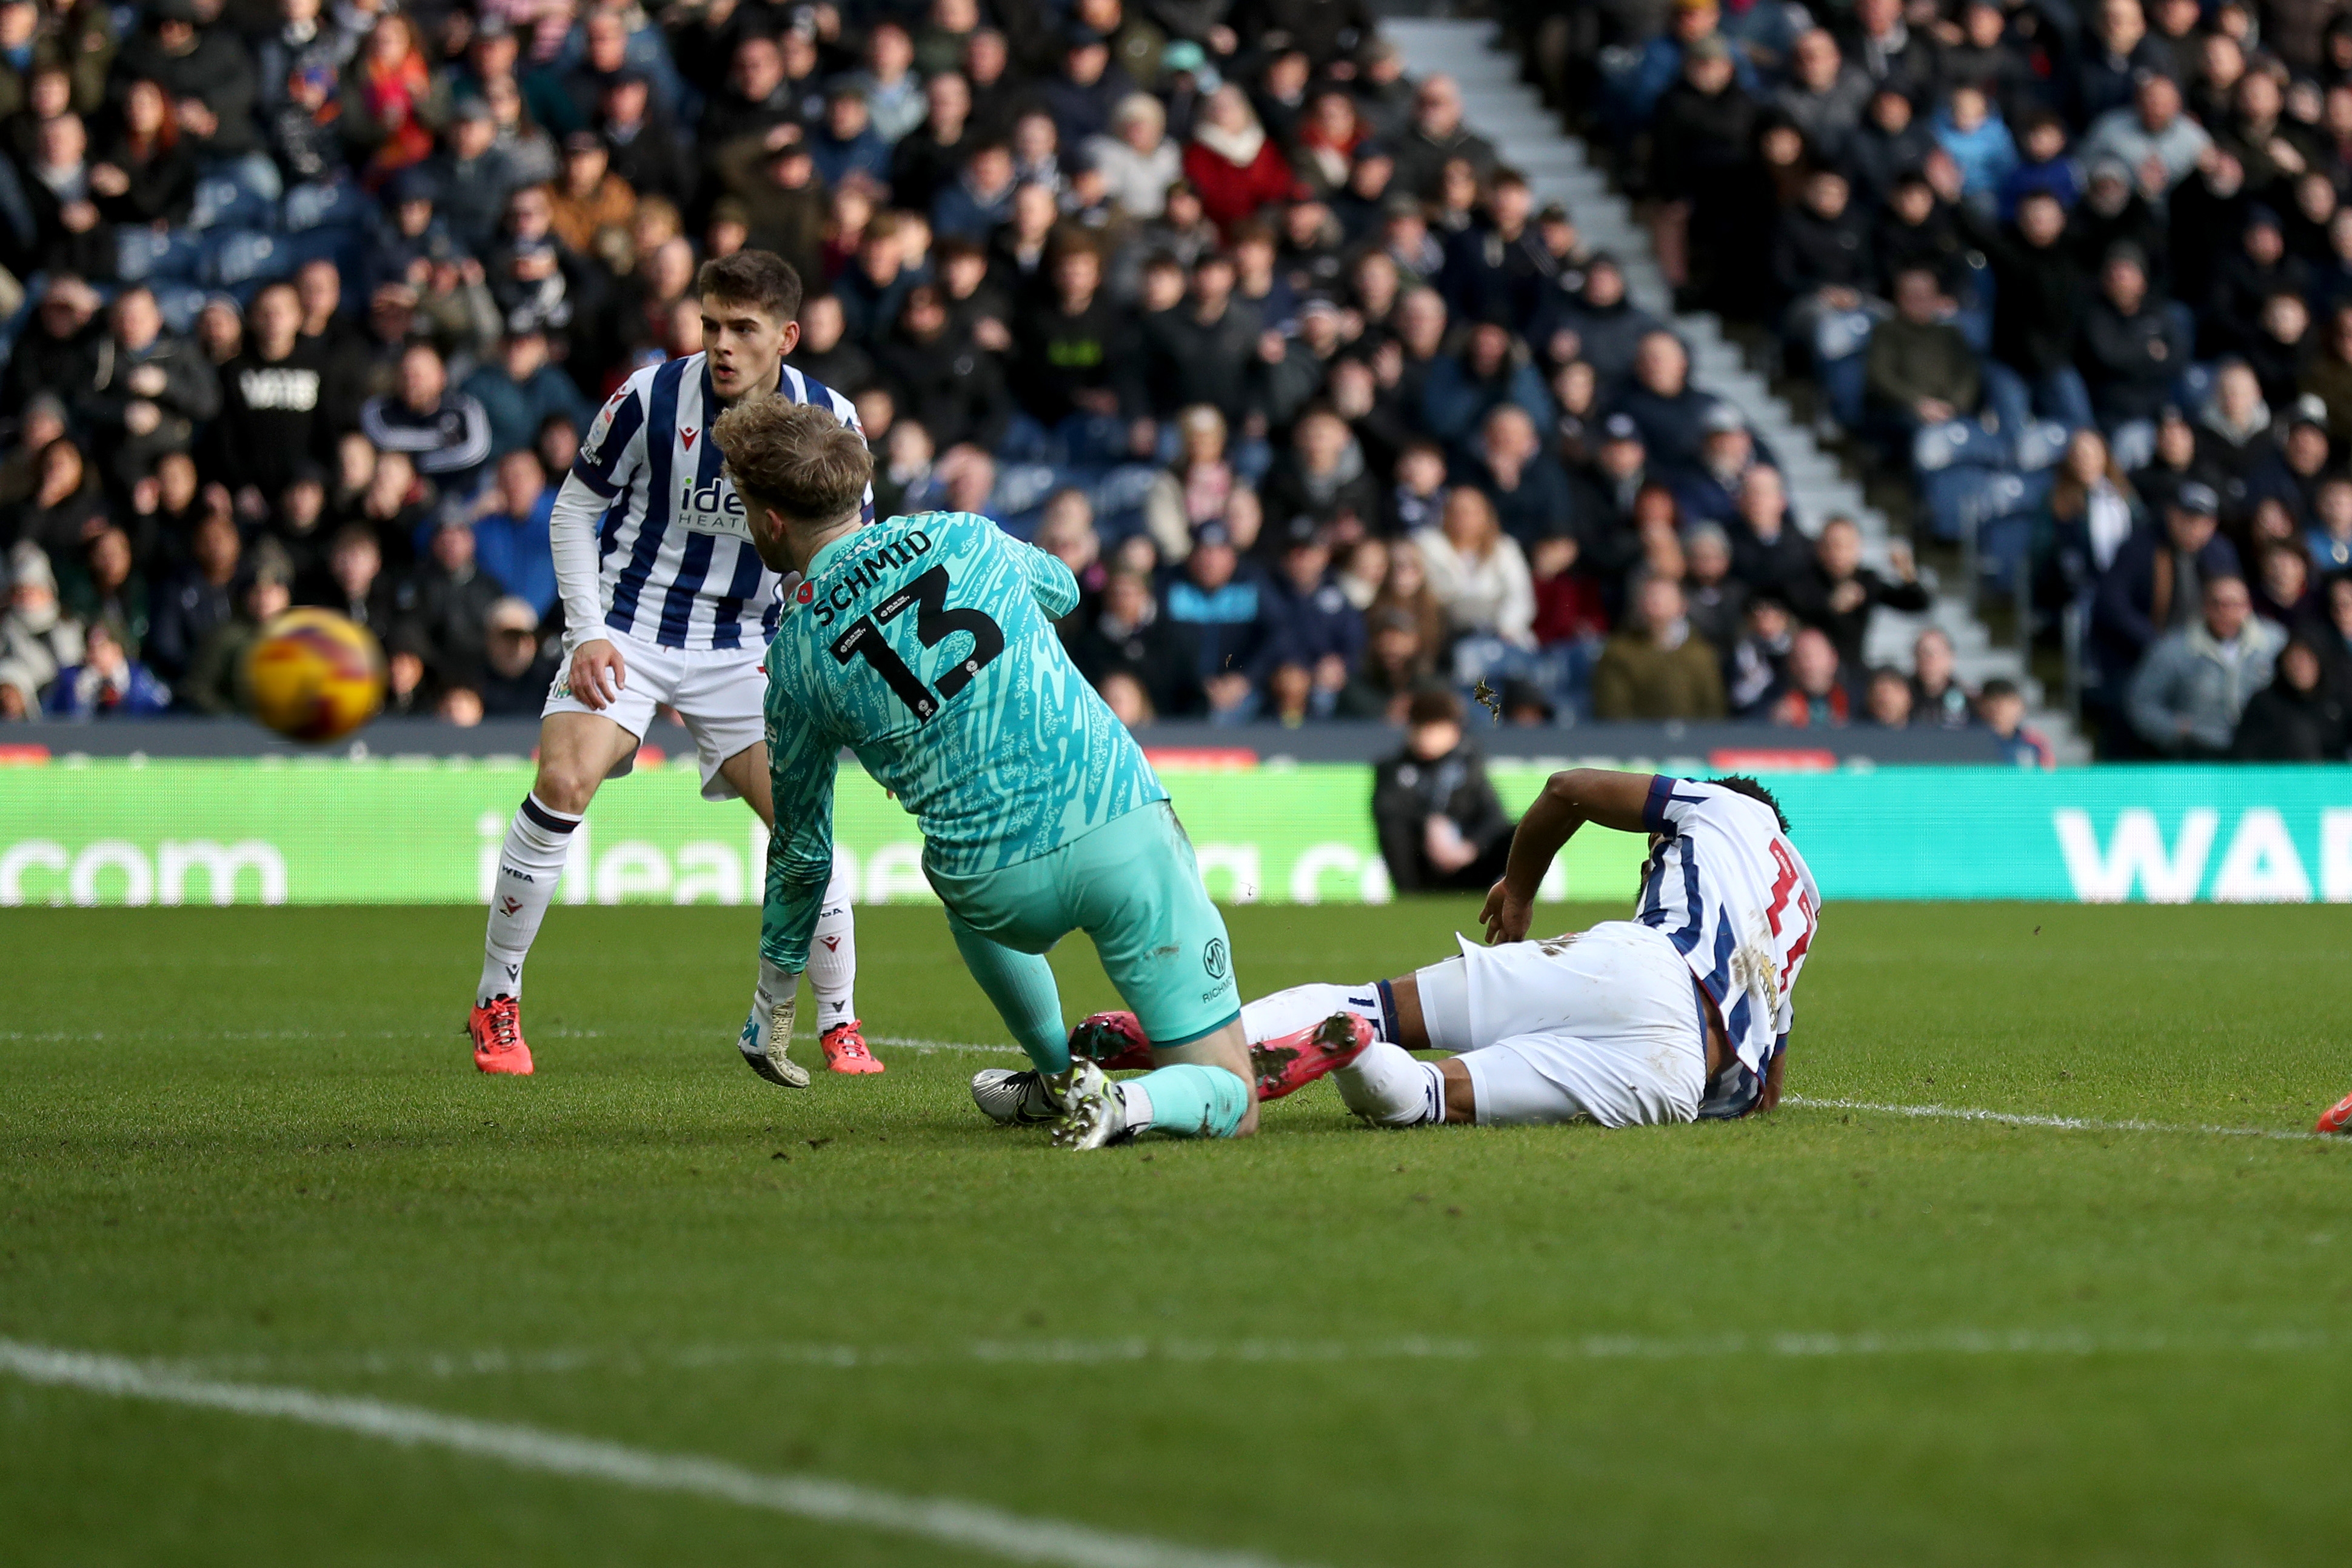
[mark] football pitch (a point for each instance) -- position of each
(282, 1279)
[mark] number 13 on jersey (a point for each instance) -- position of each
(934, 623)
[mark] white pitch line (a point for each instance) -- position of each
(972, 1526)
(1963, 1342)
(2069, 1123)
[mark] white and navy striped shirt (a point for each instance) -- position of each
(1739, 904)
(673, 552)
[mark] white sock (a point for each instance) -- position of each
(531, 868)
(1388, 1084)
(833, 961)
(1287, 1012)
(1137, 1099)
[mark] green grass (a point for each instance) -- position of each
(252, 1140)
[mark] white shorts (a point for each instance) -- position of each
(721, 693)
(1604, 1026)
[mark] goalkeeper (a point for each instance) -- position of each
(926, 645)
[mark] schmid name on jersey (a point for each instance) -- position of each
(712, 508)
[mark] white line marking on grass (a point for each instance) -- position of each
(1257, 1352)
(2070, 1123)
(973, 1526)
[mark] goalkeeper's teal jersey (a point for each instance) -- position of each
(926, 645)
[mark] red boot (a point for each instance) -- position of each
(1112, 1041)
(1291, 1061)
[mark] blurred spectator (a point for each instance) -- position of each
(1439, 823)
(1824, 96)
(1313, 632)
(1937, 699)
(1766, 550)
(271, 412)
(65, 505)
(1437, 136)
(103, 579)
(510, 530)
(442, 604)
(515, 669)
(1322, 476)
(1459, 390)
(2004, 714)
(2329, 539)
(1598, 325)
(199, 596)
(2157, 581)
(354, 583)
(446, 434)
(1670, 413)
(1839, 593)
(1232, 162)
(521, 389)
(2092, 511)
(2132, 347)
(1476, 572)
(1920, 370)
(1127, 635)
(1213, 599)
(1527, 489)
(1757, 667)
(1137, 160)
(2295, 719)
(1887, 703)
(2151, 136)
(2186, 696)
(150, 390)
(1814, 694)
(1701, 165)
(2330, 632)
(211, 686)
(1658, 668)
(1569, 606)
(1716, 600)
(38, 639)
(108, 682)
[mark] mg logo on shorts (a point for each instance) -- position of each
(1212, 957)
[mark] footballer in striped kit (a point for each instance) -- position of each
(666, 603)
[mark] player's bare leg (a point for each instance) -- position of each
(576, 750)
(833, 950)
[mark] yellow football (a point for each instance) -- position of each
(314, 675)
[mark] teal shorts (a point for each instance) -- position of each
(1133, 887)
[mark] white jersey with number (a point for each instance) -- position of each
(676, 565)
(1725, 886)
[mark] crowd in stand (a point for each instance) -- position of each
(2083, 269)
(1216, 302)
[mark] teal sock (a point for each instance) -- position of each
(1193, 1101)
(1022, 987)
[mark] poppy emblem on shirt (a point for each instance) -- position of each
(686, 434)
(804, 595)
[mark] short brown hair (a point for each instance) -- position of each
(794, 457)
(758, 278)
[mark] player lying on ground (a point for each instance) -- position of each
(925, 646)
(665, 601)
(1683, 1011)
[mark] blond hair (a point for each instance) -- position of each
(794, 458)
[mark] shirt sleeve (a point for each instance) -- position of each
(1672, 800)
(846, 412)
(803, 759)
(1050, 582)
(613, 450)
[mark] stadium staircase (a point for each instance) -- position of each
(1501, 106)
